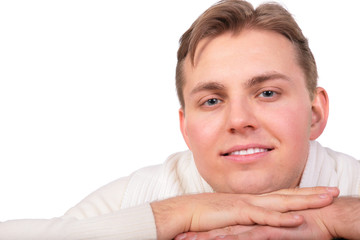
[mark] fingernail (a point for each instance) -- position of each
(332, 189)
(296, 216)
(181, 236)
(323, 195)
(193, 237)
(222, 236)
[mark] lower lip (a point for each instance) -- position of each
(246, 159)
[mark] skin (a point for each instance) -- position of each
(245, 91)
(248, 91)
(338, 220)
(207, 211)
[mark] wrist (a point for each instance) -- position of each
(171, 217)
(342, 218)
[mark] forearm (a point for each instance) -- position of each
(342, 218)
(170, 219)
(131, 223)
(39, 229)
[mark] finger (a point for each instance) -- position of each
(263, 216)
(258, 233)
(273, 233)
(231, 230)
(249, 235)
(285, 203)
(280, 233)
(307, 191)
(190, 236)
(247, 214)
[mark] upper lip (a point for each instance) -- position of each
(245, 147)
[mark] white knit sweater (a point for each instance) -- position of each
(121, 209)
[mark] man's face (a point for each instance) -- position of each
(248, 112)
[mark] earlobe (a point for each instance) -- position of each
(183, 126)
(320, 113)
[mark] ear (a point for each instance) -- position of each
(320, 113)
(183, 126)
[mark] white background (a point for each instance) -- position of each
(87, 91)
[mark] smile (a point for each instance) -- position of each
(248, 151)
(247, 154)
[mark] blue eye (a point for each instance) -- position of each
(267, 94)
(212, 101)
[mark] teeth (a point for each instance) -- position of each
(249, 151)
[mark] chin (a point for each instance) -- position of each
(253, 189)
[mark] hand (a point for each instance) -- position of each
(312, 228)
(220, 233)
(338, 220)
(204, 212)
(342, 218)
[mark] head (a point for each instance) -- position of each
(247, 85)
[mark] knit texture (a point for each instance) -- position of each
(121, 209)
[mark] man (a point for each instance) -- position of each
(239, 83)
(246, 82)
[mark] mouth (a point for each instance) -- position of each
(246, 151)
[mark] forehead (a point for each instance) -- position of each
(242, 56)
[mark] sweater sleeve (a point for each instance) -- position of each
(130, 223)
(98, 216)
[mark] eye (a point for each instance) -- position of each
(268, 94)
(212, 102)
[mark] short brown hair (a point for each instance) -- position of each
(235, 15)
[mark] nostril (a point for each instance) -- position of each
(235, 130)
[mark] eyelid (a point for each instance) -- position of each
(268, 88)
(275, 90)
(204, 100)
(207, 99)
(268, 91)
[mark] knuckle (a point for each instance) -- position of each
(284, 198)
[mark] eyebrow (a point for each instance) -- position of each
(265, 77)
(207, 86)
(212, 86)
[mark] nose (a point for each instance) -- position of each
(241, 117)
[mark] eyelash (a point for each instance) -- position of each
(207, 103)
(268, 91)
(274, 95)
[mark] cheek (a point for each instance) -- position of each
(292, 130)
(204, 130)
(291, 123)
